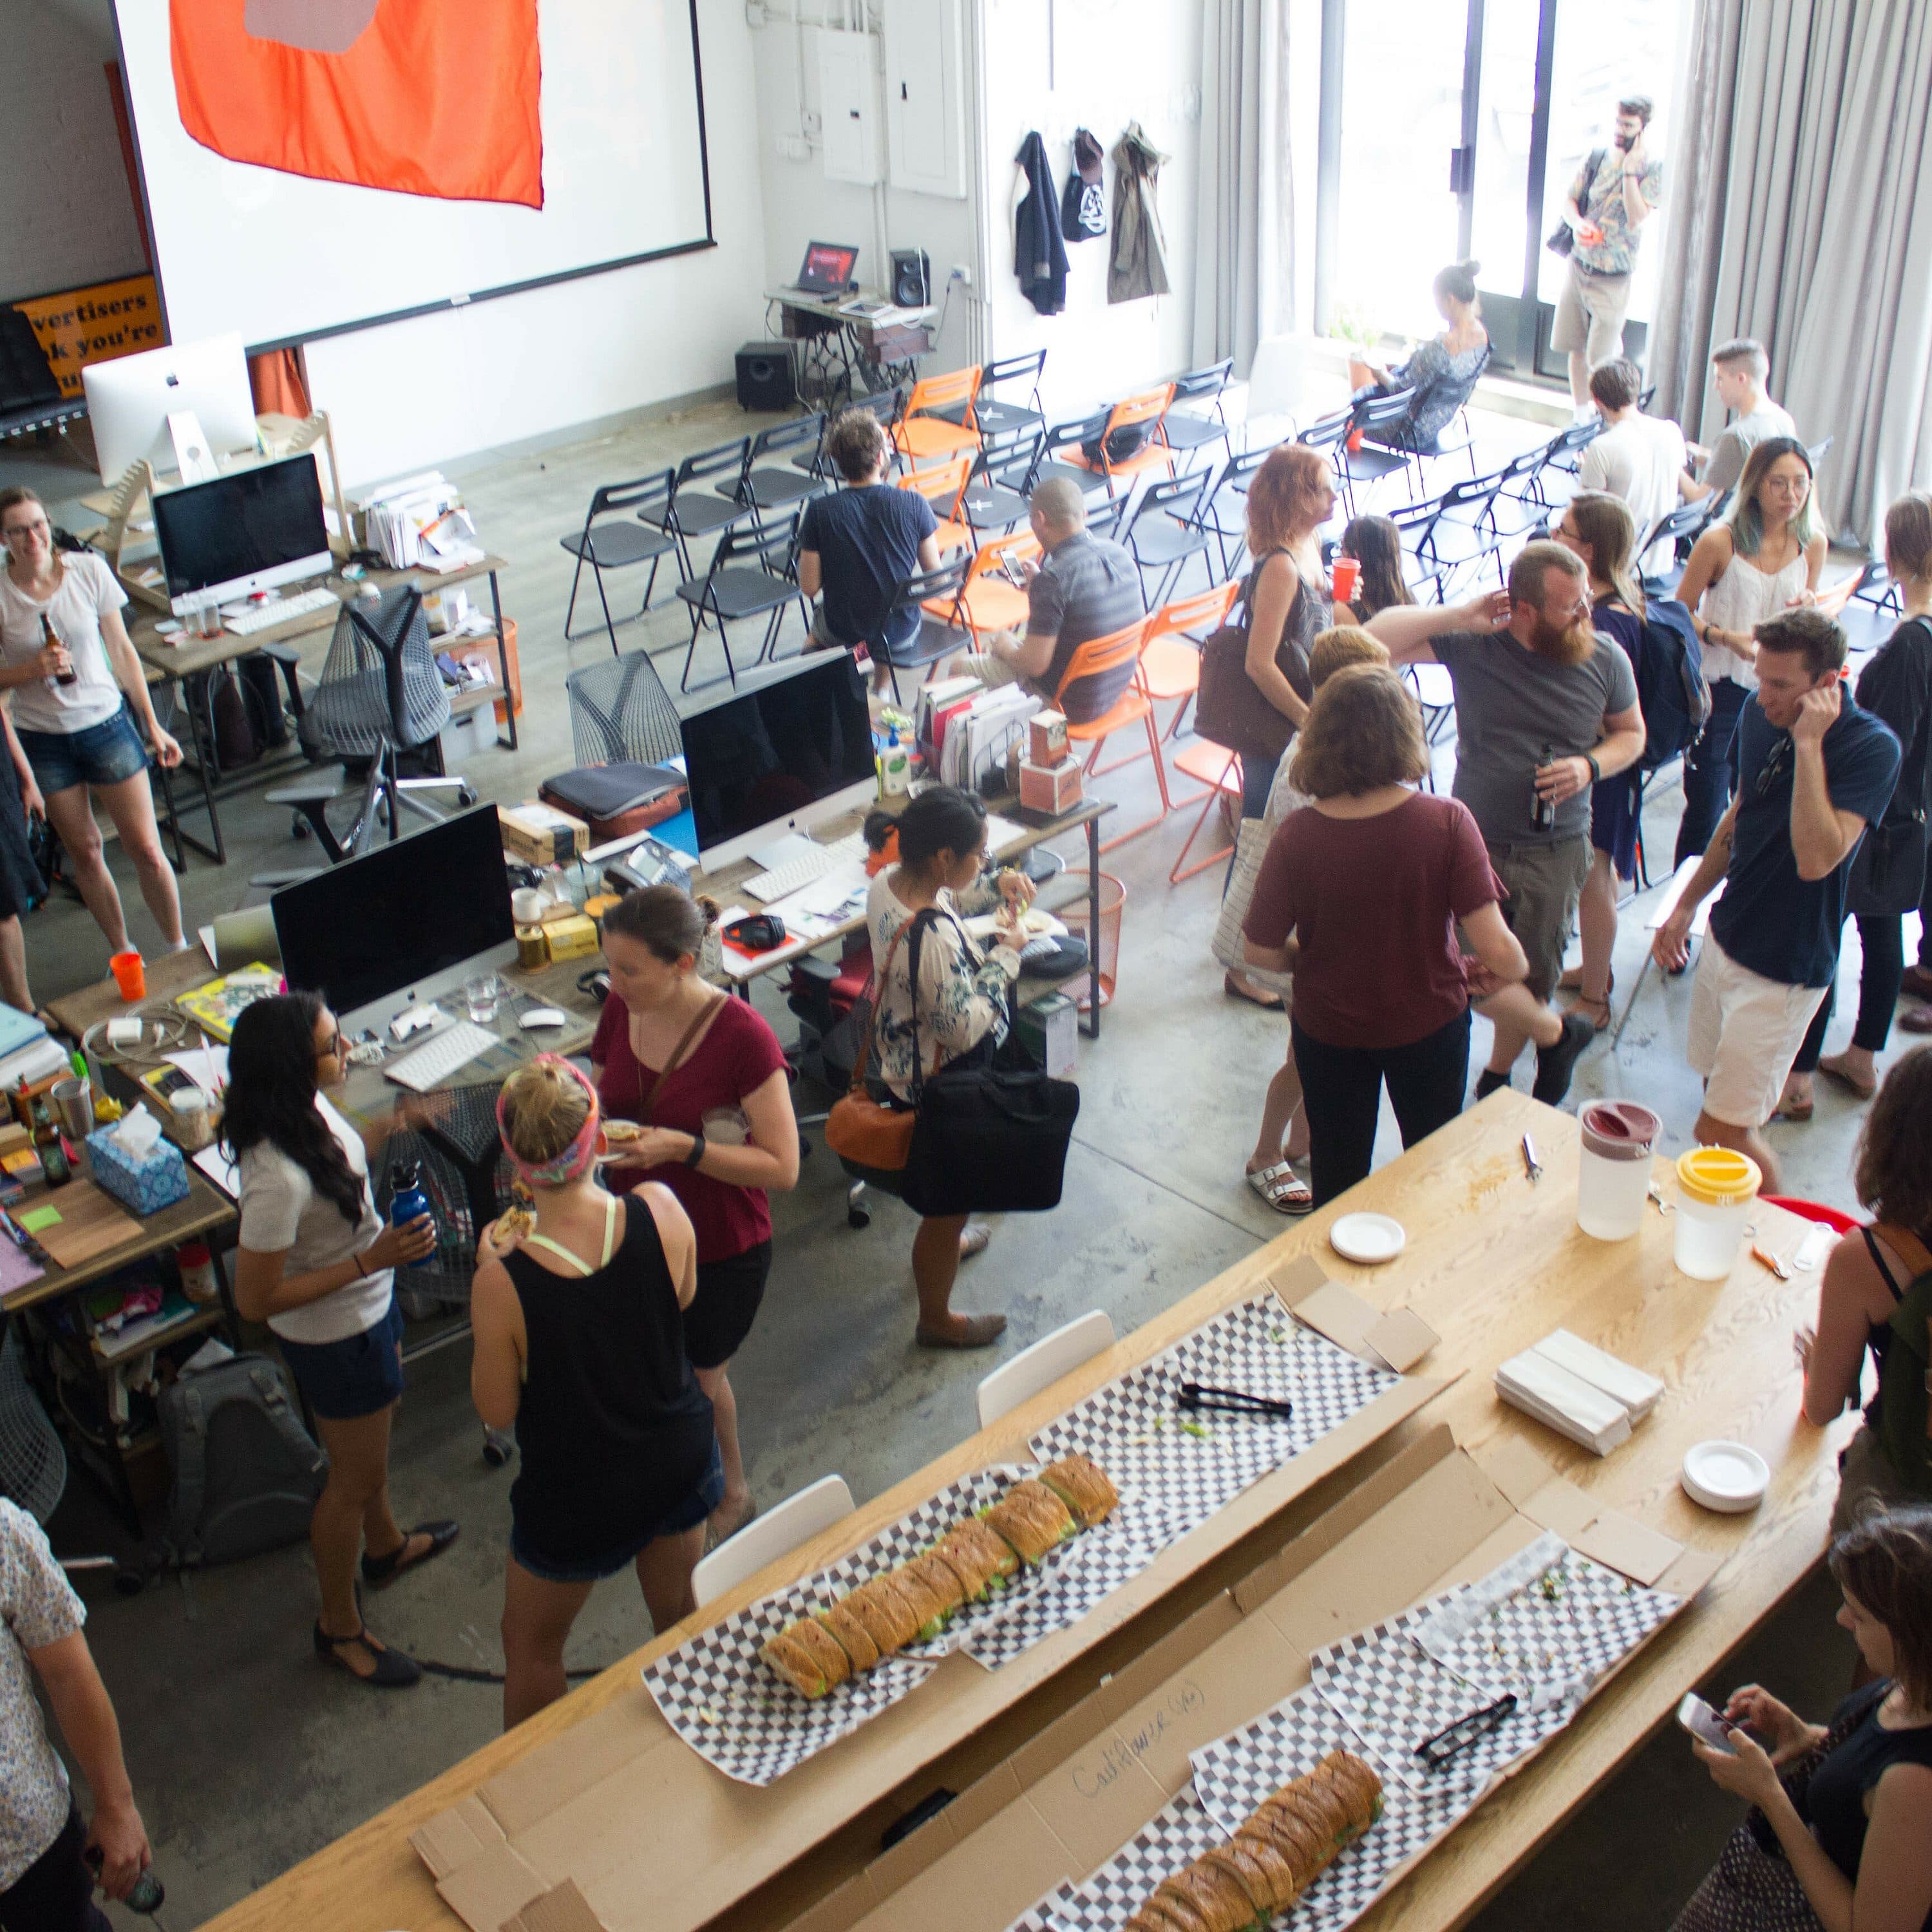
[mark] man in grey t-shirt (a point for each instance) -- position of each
(1544, 708)
(1739, 370)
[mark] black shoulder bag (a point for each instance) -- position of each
(1563, 237)
(1887, 875)
(984, 1137)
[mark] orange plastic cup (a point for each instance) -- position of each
(129, 975)
(1347, 573)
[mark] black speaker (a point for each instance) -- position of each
(912, 278)
(767, 375)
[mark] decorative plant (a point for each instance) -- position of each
(1351, 323)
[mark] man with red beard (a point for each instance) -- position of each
(1544, 708)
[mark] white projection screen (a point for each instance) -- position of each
(284, 258)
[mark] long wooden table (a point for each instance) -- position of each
(1493, 1263)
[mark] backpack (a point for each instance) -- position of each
(1129, 439)
(1670, 683)
(1901, 1415)
(246, 1472)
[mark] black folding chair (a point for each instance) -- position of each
(989, 413)
(1877, 586)
(753, 573)
(996, 492)
(615, 546)
(1331, 433)
(763, 488)
(884, 404)
(1224, 512)
(1188, 430)
(1093, 484)
(1683, 525)
(935, 638)
(1454, 533)
(1165, 530)
(692, 511)
(1381, 419)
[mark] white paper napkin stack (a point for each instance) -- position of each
(1578, 1390)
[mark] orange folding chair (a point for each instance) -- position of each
(921, 437)
(987, 600)
(1150, 405)
(1170, 666)
(1096, 658)
(942, 486)
(1219, 769)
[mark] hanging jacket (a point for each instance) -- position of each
(1039, 255)
(1083, 203)
(1139, 264)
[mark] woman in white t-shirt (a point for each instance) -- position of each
(71, 701)
(316, 1263)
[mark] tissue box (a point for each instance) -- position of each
(157, 1179)
(1046, 738)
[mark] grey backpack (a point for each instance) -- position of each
(246, 1472)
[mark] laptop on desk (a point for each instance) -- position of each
(826, 270)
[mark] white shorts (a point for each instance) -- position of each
(1745, 1031)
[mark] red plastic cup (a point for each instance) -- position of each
(129, 975)
(1346, 576)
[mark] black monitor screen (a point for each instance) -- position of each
(240, 524)
(373, 926)
(759, 757)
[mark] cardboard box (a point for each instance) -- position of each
(1046, 738)
(1049, 788)
(1050, 1026)
(572, 938)
(540, 834)
(597, 1805)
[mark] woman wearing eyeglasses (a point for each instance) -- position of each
(316, 1262)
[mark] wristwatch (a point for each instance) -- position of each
(696, 1152)
(1596, 769)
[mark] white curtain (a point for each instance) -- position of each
(1244, 232)
(1805, 183)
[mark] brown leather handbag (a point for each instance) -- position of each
(860, 1129)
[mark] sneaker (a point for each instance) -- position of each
(1556, 1062)
(1488, 1082)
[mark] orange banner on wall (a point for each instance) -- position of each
(422, 96)
(95, 325)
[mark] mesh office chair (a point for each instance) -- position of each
(381, 699)
(620, 713)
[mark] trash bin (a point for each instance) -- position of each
(1105, 947)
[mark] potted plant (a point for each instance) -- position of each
(1350, 324)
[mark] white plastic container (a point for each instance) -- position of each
(1613, 1170)
(1715, 1188)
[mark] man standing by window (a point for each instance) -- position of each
(1615, 192)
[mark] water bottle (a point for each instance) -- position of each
(409, 1202)
(148, 1896)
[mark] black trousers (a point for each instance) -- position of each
(1342, 1090)
(56, 1893)
(1882, 941)
(1711, 770)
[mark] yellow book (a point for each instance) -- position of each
(214, 1006)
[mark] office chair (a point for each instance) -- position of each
(620, 713)
(381, 699)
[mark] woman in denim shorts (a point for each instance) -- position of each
(75, 702)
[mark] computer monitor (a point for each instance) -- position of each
(406, 922)
(130, 400)
(779, 757)
(250, 530)
(827, 267)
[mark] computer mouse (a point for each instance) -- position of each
(542, 1016)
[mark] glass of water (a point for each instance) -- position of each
(482, 995)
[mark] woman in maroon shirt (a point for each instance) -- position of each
(1359, 894)
(720, 1132)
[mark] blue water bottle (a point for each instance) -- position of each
(409, 1202)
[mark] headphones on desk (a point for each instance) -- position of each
(596, 982)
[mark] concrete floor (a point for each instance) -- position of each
(829, 1379)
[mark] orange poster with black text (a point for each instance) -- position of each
(424, 96)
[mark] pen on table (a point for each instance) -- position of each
(1531, 1166)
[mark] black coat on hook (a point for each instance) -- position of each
(1040, 254)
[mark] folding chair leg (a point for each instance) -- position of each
(1160, 783)
(1181, 869)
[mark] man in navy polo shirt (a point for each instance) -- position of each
(1815, 771)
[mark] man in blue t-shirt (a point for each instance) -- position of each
(1815, 771)
(857, 546)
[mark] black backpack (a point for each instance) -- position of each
(1670, 683)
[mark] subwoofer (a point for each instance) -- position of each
(767, 375)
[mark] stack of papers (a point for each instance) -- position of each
(1578, 1390)
(420, 522)
(33, 1063)
(976, 739)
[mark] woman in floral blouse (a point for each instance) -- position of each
(962, 1011)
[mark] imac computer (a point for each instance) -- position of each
(404, 924)
(781, 757)
(130, 400)
(248, 531)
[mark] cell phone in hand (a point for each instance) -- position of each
(1703, 1723)
(1014, 575)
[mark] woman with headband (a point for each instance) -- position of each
(579, 1342)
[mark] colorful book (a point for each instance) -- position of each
(215, 1006)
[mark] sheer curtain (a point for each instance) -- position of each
(1244, 232)
(1804, 199)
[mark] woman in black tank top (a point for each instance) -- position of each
(1841, 1813)
(580, 1343)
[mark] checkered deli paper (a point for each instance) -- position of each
(1187, 1466)
(722, 1698)
(1176, 1835)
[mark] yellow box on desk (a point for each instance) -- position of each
(1050, 788)
(540, 834)
(572, 938)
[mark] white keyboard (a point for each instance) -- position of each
(279, 609)
(436, 1059)
(815, 863)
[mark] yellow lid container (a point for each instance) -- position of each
(1718, 1176)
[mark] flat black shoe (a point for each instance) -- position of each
(1554, 1064)
(393, 1670)
(1487, 1083)
(380, 1571)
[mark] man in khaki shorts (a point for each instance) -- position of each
(1612, 196)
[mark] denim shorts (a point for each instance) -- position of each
(361, 1375)
(695, 1507)
(103, 754)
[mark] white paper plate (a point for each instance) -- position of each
(1725, 1476)
(1368, 1238)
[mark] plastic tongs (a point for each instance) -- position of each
(1235, 1402)
(1453, 1739)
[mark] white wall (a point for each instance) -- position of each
(410, 394)
(70, 212)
